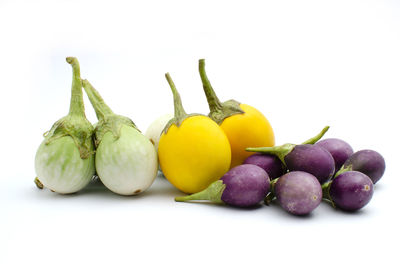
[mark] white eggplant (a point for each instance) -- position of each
(64, 162)
(155, 129)
(126, 160)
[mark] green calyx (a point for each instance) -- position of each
(212, 193)
(282, 150)
(75, 123)
(108, 121)
(180, 115)
(327, 185)
(218, 111)
(278, 151)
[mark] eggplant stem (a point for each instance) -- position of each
(100, 107)
(178, 107)
(38, 183)
(214, 103)
(271, 195)
(314, 139)
(342, 170)
(212, 193)
(76, 106)
(325, 193)
(278, 151)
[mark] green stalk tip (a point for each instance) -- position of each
(100, 107)
(181, 198)
(178, 107)
(314, 139)
(214, 103)
(38, 183)
(212, 193)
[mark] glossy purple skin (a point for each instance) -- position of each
(246, 185)
(351, 190)
(270, 163)
(339, 149)
(298, 192)
(312, 159)
(369, 162)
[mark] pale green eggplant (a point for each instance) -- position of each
(64, 162)
(126, 160)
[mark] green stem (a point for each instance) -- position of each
(212, 193)
(76, 106)
(100, 107)
(313, 140)
(214, 103)
(38, 183)
(325, 189)
(271, 195)
(178, 107)
(325, 192)
(279, 151)
(342, 170)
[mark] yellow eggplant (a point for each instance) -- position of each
(193, 150)
(243, 124)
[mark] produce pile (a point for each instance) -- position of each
(227, 157)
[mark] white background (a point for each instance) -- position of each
(304, 64)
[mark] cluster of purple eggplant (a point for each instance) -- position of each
(300, 176)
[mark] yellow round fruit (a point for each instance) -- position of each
(250, 129)
(195, 154)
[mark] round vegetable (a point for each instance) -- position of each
(155, 129)
(242, 186)
(350, 191)
(243, 124)
(312, 159)
(298, 192)
(270, 163)
(126, 160)
(193, 150)
(367, 161)
(339, 149)
(64, 162)
(305, 157)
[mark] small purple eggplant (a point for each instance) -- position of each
(242, 186)
(350, 191)
(298, 192)
(367, 161)
(339, 149)
(270, 163)
(305, 157)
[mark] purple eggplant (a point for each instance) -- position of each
(304, 157)
(297, 192)
(270, 163)
(242, 186)
(367, 161)
(349, 191)
(339, 149)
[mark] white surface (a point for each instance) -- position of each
(304, 64)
